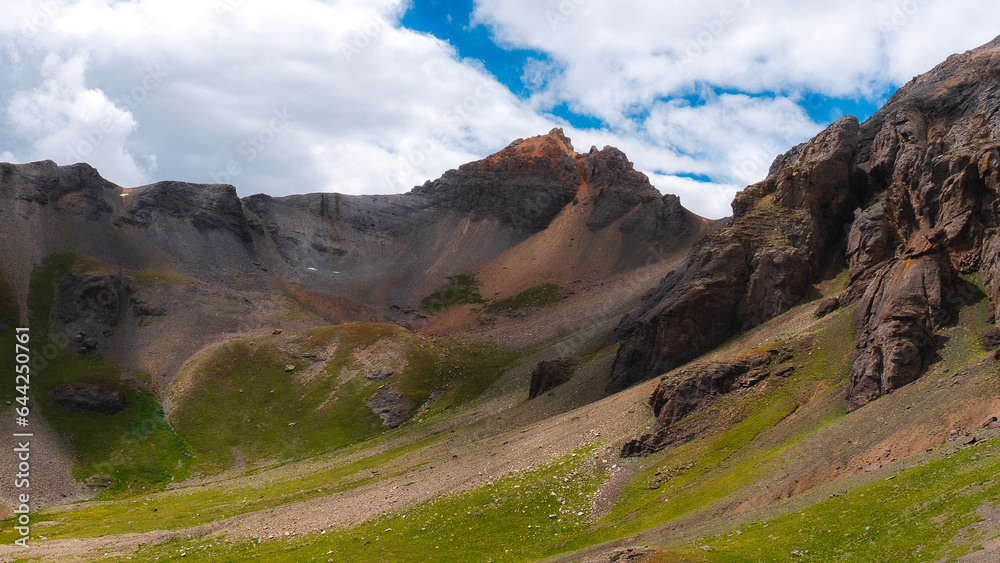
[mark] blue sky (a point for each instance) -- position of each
(452, 22)
(377, 96)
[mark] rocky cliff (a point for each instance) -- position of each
(912, 199)
(200, 256)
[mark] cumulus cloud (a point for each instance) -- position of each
(66, 120)
(335, 95)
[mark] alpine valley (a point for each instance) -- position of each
(535, 357)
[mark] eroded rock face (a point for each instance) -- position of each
(77, 189)
(904, 305)
(692, 388)
(206, 207)
(931, 160)
(756, 267)
(550, 374)
(89, 305)
(392, 406)
(922, 178)
(81, 398)
(518, 186)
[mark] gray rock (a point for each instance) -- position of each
(392, 406)
(81, 398)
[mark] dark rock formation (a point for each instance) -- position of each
(923, 179)
(895, 324)
(205, 206)
(392, 406)
(756, 267)
(77, 189)
(691, 389)
(517, 186)
(991, 339)
(141, 308)
(931, 160)
(89, 304)
(550, 374)
(827, 306)
(81, 398)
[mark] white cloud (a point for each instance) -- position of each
(193, 87)
(71, 123)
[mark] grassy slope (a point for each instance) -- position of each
(136, 447)
(732, 488)
(538, 296)
(325, 413)
(516, 519)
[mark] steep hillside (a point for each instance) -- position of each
(151, 306)
(916, 189)
(536, 357)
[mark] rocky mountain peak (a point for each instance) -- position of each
(916, 191)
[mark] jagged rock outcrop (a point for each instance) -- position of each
(77, 189)
(89, 305)
(922, 178)
(549, 374)
(931, 157)
(205, 206)
(392, 406)
(991, 339)
(691, 389)
(516, 187)
(756, 267)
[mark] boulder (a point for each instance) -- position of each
(81, 398)
(550, 374)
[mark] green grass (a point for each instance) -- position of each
(921, 514)
(135, 447)
(722, 460)
(538, 296)
(171, 510)
(325, 414)
(460, 289)
(508, 521)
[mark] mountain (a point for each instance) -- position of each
(537, 356)
(915, 190)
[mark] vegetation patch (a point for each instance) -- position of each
(278, 415)
(134, 448)
(460, 289)
(518, 518)
(171, 510)
(538, 296)
(752, 432)
(150, 276)
(925, 513)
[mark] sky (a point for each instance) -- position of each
(378, 96)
